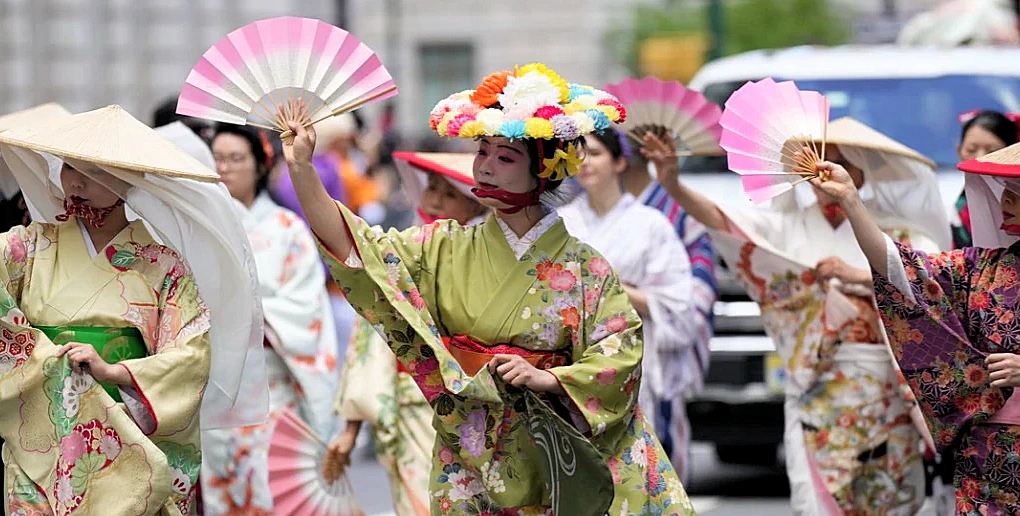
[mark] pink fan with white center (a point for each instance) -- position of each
(669, 109)
(774, 134)
(295, 474)
(253, 71)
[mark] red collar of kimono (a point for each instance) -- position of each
(516, 201)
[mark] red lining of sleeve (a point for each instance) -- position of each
(144, 400)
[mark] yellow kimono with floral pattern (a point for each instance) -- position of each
(70, 448)
(501, 450)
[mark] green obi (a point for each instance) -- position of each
(112, 344)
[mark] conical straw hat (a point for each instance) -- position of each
(109, 137)
(414, 166)
(454, 165)
(847, 131)
(1003, 162)
(41, 114)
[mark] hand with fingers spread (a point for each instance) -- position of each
(661, 152)
(518, 372)
(83, 358)
(1003, 369)
(299, 145)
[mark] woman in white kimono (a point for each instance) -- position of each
(852, 427)
(653, 266)
(300, 344)
(374, 387)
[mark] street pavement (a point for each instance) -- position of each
(716, 489)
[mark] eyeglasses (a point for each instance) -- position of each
(231, 159)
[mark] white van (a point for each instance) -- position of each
(911, 94)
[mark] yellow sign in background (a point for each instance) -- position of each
(674, 56)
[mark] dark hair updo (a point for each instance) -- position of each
(994, 122)
(261, 149)
(548, 150)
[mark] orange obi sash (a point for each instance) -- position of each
(473, 355)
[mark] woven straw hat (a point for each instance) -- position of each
(40, 114)
(1003, 163)
(109, 137)
(847, 131)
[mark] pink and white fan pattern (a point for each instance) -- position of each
(246, 74)
(690, 118)
(764, 124)
(295, 474)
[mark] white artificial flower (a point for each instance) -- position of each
(491, 119)
(585, 124)
(523, 95)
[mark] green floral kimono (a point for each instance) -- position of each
(72, 448)
(501, 450)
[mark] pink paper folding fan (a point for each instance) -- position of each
(774, 134)
(295, 474)
(246, 76)
(669, 109)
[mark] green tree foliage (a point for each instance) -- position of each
(747, 25)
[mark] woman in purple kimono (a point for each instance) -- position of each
(952, 321)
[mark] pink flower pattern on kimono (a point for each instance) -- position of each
(88, 449)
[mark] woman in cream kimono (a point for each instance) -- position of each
(107, 347)
(374, 386)
(300, 345)
(653, 266)
(518, 335)
(853, 431)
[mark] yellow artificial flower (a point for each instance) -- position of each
(563, 164)
(610, 111)
(537, 127)
(472, 129)
(554, 78)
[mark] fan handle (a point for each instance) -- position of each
(341, 110)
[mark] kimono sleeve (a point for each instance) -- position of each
(296, 308)
(19, 246)
(602, 382)
(924, 304)
(668, 285)
(166, 390)
(381, 280)
(367, 357)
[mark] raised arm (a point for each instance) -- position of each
(836, 182)
(320, 209)
(663, 154)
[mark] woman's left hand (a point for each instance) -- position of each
(834, 267)
(1003, 369)
(518, 372)
(84, 356)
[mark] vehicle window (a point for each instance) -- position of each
(921, 113)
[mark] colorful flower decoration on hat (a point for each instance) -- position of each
(532, 101)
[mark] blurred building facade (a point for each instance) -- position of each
(86, 54)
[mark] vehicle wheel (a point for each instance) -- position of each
(761, 455)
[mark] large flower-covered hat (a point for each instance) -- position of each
(531, 101)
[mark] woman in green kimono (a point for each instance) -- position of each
(518, 335)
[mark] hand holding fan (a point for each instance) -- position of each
(248, 77)
(669, 109)
(295, 473)
(774, 135)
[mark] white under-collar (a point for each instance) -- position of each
(520, 245)
(89, 245)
